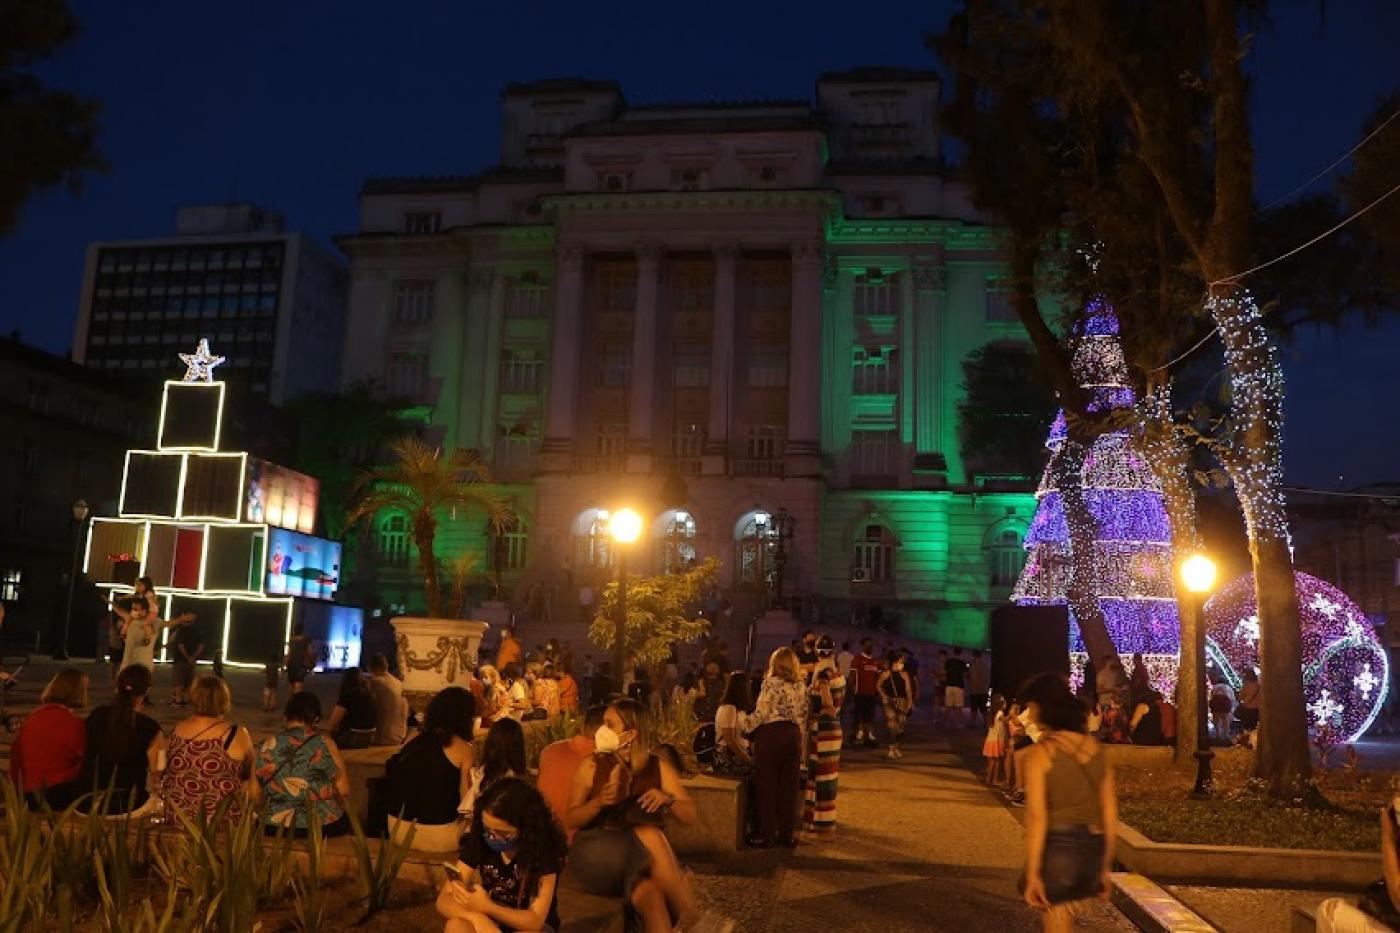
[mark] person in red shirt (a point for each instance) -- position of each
(559, 761)
(47, 754)
(866, 669)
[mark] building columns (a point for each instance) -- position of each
(558, 450)
(641, 421)
(717, 450)
(445, 354)
(926, 344)
(803, 451)
(486, 289)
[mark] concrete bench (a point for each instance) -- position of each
(1303, 920)
(1152, 909)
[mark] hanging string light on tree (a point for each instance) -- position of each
(1346, 670)
(1131, 533)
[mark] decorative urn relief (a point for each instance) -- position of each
(436, 653)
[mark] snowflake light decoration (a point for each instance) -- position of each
(1346, 670)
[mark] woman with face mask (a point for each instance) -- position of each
(618, 803)
(896, 689)
(508, 865)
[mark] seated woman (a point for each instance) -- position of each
(301, 770)
(544, 688)
(1146, 724)
(732, 754)
(123, 750)
(46, 756)
(425, 783)
(618, 803)
(502, 756)
(509, 865)
(353, 721)
(490, 680)
(211, 759)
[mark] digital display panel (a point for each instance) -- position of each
(281, 497)
(301, 565)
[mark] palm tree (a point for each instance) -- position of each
(422, 482)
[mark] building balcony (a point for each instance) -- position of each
(600, 463)
(880, 134)
(681, 466)
(758, 467)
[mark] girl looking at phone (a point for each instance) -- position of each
(508, 865)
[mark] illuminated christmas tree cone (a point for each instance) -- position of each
(1132, 535)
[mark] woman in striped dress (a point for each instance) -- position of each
(823, 743)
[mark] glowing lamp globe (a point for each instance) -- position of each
(625, 526)
(1198, 573)
(1346, 670)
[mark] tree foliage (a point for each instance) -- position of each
(1005, 410)
(47, 137)
(662, 611)
(423, 484)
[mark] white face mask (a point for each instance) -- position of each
(606, 740)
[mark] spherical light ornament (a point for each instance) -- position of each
(1346, 669)
(625, 526)
(1198, 573)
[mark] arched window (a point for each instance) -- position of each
(675, 539)
(512, 546)
(874, 555)
(1006, 556)
(757, 541)
(592, 544)
(393, 538)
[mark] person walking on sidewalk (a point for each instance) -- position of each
(1071, 807)
(867, 674)
(979, 685)
(897, 691)
(955, 684)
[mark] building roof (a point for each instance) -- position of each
(793, 103)
(460, 184)
(877, 75)
(568, 85)
(15, 352)
(704, 123)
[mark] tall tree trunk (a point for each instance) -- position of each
(424, 535)
(1082, 592)
(1170, 459)
(1255, 464)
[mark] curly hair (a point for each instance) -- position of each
(542, 844)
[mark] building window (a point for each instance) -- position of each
(11, 585)
(515, 452)
(691, 362)
(610, 440)
(413, 301)
(616, 371)
(757, 543)
(407, 374)
(874, 556)
(617, 283)
(393, 539)
(690, 179)
(526, 296)
(422, 222)
(613, 181)
(520, 371)
(676, 541)
(768, 366)
(887, 112)
(998, 306)
(875, 371)
(687, 449)
(592, 543)
(875, 453)
(876, 294)
(1007, 557)
(512, 547)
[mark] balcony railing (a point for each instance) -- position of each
(600, 463)
(768, 466)
(684, 466)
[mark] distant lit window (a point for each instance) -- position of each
(11, 585)
(874, 555)
(1007, 557)
(413, 301)
(407, 374)
(876, 294)
(393, 539)
(422, 222)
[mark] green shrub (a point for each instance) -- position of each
(378, 872)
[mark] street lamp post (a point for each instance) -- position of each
(625, 527)
(1198, 576)
(782, 528)
(80, 514)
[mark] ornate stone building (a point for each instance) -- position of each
(746, 320)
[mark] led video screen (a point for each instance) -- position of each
(300, 565)
(281, 497)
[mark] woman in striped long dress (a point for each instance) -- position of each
(823, 743)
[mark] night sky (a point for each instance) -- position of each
(292, 105)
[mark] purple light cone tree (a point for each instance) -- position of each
(1132, 560)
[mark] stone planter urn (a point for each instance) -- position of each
(436, 653)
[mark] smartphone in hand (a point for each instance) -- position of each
(455, 874)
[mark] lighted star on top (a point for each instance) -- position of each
(199, 365)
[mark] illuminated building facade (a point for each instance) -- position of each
(735, 317)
